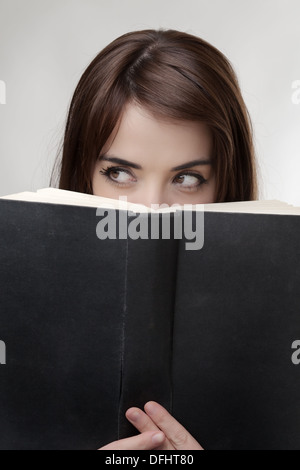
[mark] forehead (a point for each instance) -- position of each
(144, 138)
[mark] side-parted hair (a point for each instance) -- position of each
(175, 76)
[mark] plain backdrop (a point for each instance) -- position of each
(45, 45)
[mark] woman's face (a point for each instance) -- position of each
(152, 161)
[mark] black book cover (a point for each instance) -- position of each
(237, 315)
(93, 327)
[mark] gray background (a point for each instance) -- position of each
(46, 45)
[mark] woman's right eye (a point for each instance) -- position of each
(118, 176)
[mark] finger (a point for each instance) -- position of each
(144, 423)
(178, 436)
(144, 441)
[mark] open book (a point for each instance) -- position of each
(106, 304)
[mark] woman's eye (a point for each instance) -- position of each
(117, 175)
(190, 180)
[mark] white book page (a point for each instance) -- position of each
(59, 196)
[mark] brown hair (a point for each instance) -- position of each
(176, 76)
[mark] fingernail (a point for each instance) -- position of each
(134, 416)
(158, 438)
(151, 408)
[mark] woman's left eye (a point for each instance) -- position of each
(190, 180)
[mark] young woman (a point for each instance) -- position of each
(158, 117)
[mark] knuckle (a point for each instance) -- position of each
(180, 438)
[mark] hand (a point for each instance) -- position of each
(159, 430)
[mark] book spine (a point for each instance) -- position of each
(146, 371)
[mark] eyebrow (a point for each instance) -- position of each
(121, 161)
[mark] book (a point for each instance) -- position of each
(95, 319)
